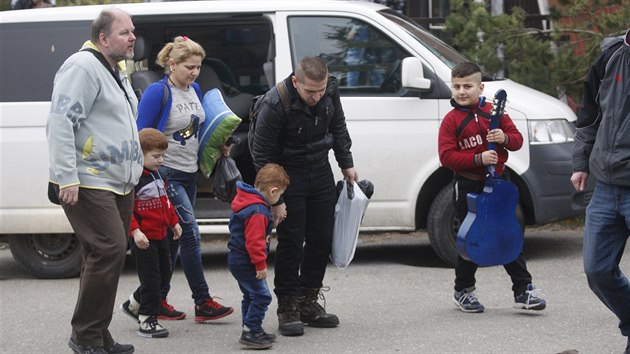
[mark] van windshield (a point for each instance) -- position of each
(443, 51)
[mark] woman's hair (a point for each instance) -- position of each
(313, 68)
(152, 139)
(271, 175)
(180, 49)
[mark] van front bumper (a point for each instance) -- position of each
(552, 196)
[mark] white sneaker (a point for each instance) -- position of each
(150, 328)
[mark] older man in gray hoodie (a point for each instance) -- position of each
(95, 161)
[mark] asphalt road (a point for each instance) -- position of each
(394, 298)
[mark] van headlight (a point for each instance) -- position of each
(550, 131)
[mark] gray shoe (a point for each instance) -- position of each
(467, 301)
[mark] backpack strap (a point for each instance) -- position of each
(284, 96)
(464, 123)
(467, 120)
(103, 61)
(165, 97)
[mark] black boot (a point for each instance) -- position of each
(289, 323)
(312, 313)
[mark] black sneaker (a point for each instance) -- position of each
(258, 340)
(272, 337)
(125, 307)
(211, 310)
(167, 312)
(150, 328)
(531, 299)
(85, 349)
(314, 314)
(467, 301)
(289, 323)
(118, 348)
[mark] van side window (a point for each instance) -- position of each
(31, 54)
(363, 59)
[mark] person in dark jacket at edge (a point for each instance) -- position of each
(300, 140)
(602, 149)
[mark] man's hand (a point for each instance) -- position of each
(350, 175)
(279, 213)
(261, 274)
(177, 232)
(69, 195)
(489, 157)
(578, 179)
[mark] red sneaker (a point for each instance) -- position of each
(211, 310)
(167, 312)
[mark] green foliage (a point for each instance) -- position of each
(553, 61)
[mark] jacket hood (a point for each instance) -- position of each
(246, 195)
(611, 41)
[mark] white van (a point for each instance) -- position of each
(394, 79)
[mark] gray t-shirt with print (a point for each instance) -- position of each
(182, 130)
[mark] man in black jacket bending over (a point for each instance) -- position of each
(298, 122)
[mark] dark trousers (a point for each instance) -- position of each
(100, 221)
(465, 270)
(154, 270)
(256, 295)
(305, 236)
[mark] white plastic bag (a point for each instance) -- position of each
(349, 212)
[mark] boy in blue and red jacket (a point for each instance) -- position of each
(153, 215)
(250, 229)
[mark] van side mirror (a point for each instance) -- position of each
(413, 75)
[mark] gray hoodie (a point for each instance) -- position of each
(91, 129)
(602, 145)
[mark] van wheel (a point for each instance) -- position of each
(442, 226)
(49, 256)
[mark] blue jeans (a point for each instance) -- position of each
(182, 190)
(256, 295)
(605, 235)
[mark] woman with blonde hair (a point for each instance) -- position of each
(180, 118)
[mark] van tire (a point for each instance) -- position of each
(441, 226)
(48, 256)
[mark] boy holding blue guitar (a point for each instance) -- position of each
(463, 147)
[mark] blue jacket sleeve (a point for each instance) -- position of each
(150, 106)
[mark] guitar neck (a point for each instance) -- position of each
(497, 112)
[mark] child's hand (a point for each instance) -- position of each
(261, 274)
(177, 232)
(496, 136)
(489, 157)
(140, 239)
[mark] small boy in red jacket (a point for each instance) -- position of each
(153, 215)
(250, 229)
(463, 147)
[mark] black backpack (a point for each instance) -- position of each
(255, 108)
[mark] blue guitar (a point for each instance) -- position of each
(491, 234)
